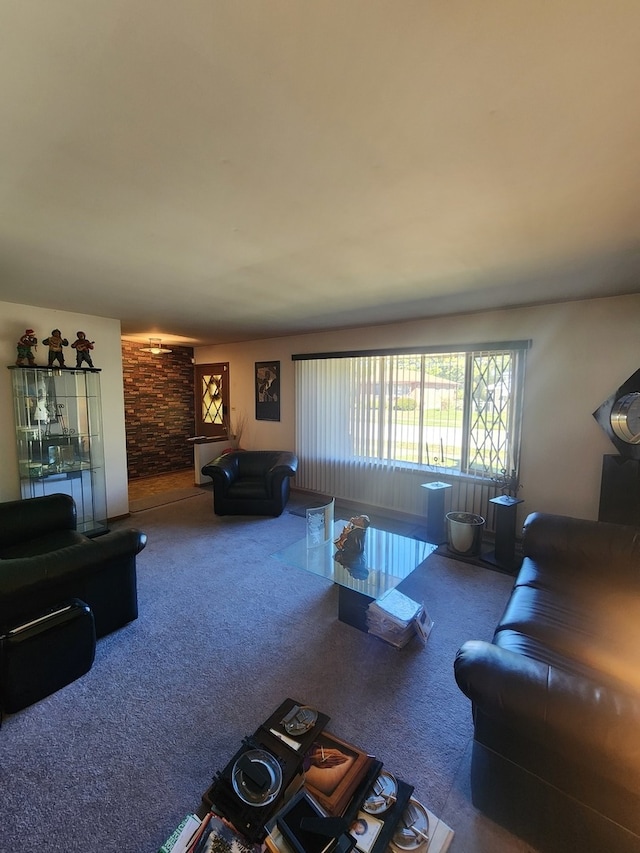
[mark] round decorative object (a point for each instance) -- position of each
(257, 777)
(382, 794)
(300, 720)
(413, 830)
(625, 418)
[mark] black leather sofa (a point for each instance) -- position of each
(59, 591)
(45, 560)
(556, 694)
(251, 482)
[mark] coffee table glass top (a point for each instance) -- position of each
(388, 559)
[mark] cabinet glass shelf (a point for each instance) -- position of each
(59, 438)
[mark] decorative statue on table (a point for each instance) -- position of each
(25, 345)
(55, 342)
(350, 543)
(355, 564)
(83, 348)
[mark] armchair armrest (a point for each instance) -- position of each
(223, 470)
(285, 465)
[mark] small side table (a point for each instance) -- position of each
(503, 555)
(436, 527)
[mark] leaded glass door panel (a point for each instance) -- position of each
(212, 399)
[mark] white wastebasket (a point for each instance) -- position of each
(465, 533)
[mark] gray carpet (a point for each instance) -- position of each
(163, 498)
(113, 761)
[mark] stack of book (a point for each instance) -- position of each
(396, 618)
(210, 834)
(182, 837)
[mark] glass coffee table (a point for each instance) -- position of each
(388, 559)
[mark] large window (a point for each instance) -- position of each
(455, 412)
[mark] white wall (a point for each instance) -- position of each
(581, 353)
(106, 355)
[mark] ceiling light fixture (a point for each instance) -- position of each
(155, 347)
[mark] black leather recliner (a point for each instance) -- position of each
(251, 482)
(44, 560)
(59, 591)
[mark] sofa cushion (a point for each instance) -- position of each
(591, 628)
(43, 544)
(249, 487)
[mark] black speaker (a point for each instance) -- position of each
(620, 490)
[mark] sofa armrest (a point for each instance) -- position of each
(592, 547)
(582, 719)
(25, 519)
(22, 575)
(127, 541)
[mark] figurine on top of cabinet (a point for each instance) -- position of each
(25, 345)
(55, 342)
(82, 347)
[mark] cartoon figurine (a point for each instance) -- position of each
(82, 347)
(55, 341)
(351, 540)
(26, 342)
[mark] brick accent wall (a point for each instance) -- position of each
(159, 409)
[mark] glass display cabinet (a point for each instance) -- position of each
(58, 417)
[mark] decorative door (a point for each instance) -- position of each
(212, 399)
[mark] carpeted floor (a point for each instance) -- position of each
(163, 498)
(113, 761)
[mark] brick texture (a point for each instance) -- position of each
(159, 410)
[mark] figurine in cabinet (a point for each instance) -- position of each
(82, 347)
(41, 409)
(55, 342)
(26, 345)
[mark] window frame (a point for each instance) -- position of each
(517, 352)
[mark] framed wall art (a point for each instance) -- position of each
(267, 382)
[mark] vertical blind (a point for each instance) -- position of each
(371, 427)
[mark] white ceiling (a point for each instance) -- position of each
(217, 171)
